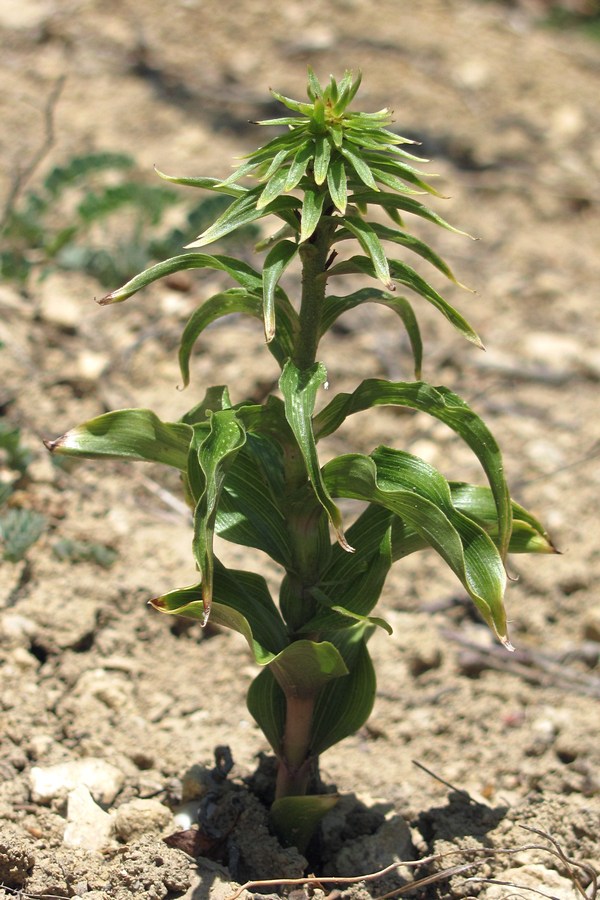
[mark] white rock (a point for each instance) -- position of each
(103, 780)
(139, 817)
(88, 826)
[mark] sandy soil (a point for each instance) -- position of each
(508, 112)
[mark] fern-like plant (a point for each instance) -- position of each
(251, 472)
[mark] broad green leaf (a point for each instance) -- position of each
(241, 602)
(337, 183)
(216, 454)
(360, 167)
(295, 819)
(136, 434)
(440, 403)
(407, 276)
(354, 617)
(415, 491)
(207, 184)
(266, 705)
(395, 201)
(299, 165)
(345, 705)
(304, 667)
(240, 271)
(370, 243)
(337, 306)
(274, 266)
(312, 207)
(322, 157)
(249, 510)
(299, 391)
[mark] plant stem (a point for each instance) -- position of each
(294, 768)
(314, 254)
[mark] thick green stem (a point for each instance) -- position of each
(294, 769)
(314, 254)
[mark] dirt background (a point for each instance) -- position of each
(508, 111)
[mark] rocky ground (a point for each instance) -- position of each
(110, 712)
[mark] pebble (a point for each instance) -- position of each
(103, 780)
(591, 624)
(138, 817)
(88, 826)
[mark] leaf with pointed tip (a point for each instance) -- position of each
(360, 167)
(407, 276)
(337, 306)
(273, 188)
(207, 184)
(216, 454)
(370, 243)
(241, 212)
(314, 85)
(299, 165)
(295, 819)
(395, 201)
(355, 617)
(440, 403)
(136, 434)
(415, 491)
(373, 142)
(322, 157)
(312, 207)
(276, 262)
(215, 398)
(384, 165)
(242, 602)
(411, 242)
(240, 271)
(299, 391)
(337, 183)
(306, 109)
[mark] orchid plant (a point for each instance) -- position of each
(251, 471)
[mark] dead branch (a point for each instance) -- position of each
(24, 173)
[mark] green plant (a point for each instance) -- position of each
(251, 471)
(19, 528)
(68, 221)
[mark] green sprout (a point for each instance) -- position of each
(251, 471)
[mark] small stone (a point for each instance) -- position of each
(103, 780)
(423, 659)
(591, 624)
(88, 826)
(139, 817)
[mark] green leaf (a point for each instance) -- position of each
(207, 184)
(216, 454)
(19, 530)
(240, 271)
(136, 434)
(407, 276)
(370, 243)
(345, 705)
(322, 157)
(299, 391)
(266, 705)
(273, 188)
(361, 168)
(241, 212)
(299, 165)
(312, 207)
(249, 510)
(304, 667)
(337, 306)
(440, 403)
(337, 183)
(276, 262)
(394, 201)
(215, 398)
(295, 819)
(415, 491)
(314, 86)
(241, 602)
(305, 108)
